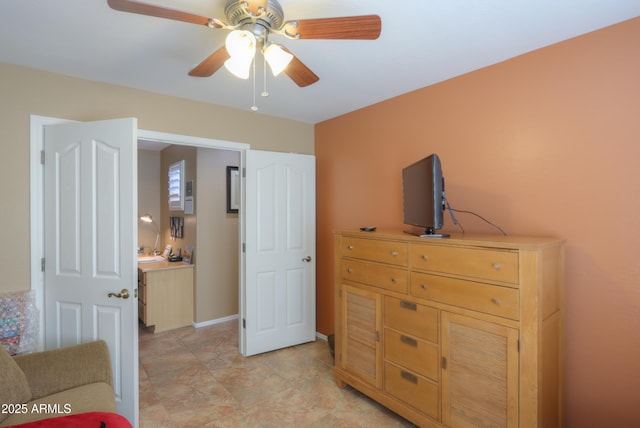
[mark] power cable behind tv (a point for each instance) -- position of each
(456, 222)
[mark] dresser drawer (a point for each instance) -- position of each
(490, 299)
(495, 265)
(395, 279)
(413, 389)
(412, 318)
(407, 351)
(396, 253)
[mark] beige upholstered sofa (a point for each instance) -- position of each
(55, 383)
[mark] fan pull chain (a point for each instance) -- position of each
(254, 107)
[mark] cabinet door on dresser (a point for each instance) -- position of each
(479, 373)
(361, 350)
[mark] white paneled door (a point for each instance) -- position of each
(278, 297)
(90, 191)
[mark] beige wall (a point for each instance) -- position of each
(24, 92)
(547, 143)
(217, 247)
(148, 197)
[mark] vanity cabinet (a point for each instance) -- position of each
(457, 332)
(165, 295)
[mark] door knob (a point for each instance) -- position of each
(124, 294)
(307, 259)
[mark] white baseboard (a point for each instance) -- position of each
(321, 336)
(216, 321)
(235, 317)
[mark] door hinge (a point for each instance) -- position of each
(518, 345)
(377, 336)
(444, 363)
(42, 264)
(244, 323)
(42, 157)
(244, 172)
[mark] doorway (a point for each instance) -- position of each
(207, 226)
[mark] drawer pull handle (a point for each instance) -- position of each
(349, 270)
(424, 257)
(495, 301)
(496, 266)
(394, 280)
(423, 286)
(408, 305)
(394, 253)
(409, 376)
(350, 247)
(409, 341)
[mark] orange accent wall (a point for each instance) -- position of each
(547, 143)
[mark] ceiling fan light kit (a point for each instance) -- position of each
(241, 46)
(251, 22)
(277, 58)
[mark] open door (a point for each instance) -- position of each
(278, 297)
(90, 279)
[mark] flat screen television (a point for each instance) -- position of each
(423, 197)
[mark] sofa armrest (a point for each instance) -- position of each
(60, 369)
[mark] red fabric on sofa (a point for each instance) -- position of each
(81, 420)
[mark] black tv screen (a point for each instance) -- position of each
(423, 195)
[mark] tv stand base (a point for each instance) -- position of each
(427, 235)
(434, 235)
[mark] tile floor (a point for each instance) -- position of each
(197, 378)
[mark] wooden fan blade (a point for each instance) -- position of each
(365, 27)
(211, 64)
(157, 11)
(299, 73)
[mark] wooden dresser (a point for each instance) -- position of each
(165, 295)
(466, 331)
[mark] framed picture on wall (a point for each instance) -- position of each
(233, 189)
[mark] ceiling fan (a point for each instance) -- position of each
(251, 22)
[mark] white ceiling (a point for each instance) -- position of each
(422, 42)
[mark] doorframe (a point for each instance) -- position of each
(36, 197)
